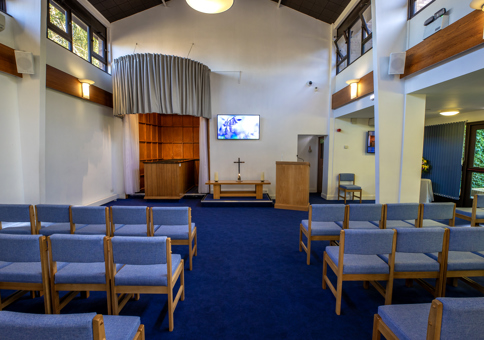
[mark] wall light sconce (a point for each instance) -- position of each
(210, 6)
(477, 4)
(353, 83)
(86, 83)
(449, 113)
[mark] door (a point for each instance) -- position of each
(474, 165)
(320, 164)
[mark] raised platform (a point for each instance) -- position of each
(209, 201)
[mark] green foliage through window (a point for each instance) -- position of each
(478, 178)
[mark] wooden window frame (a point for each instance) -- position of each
(411, 8)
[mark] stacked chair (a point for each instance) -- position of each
(53, 219)
(20, 326)
(17, 219)
(130, 221)
(475, 214)
(90, 220)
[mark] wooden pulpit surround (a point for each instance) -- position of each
(292, 185)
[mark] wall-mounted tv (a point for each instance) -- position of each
(238, 127)
(370, 142)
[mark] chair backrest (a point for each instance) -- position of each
(170, 215)
(439, 211)
(402, 211)
(462, 318)
(77, 248)
(346, 177)
(139, 250)
(420, 240)
(89, 215)
(129, 215)
(55, 213)
(368, 241)
(466, 239)
(480, 201)
(327, 212)
(20, 248)
(15, 325)
(15, 212)
(365, 212)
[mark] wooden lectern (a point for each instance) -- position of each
(292, 185)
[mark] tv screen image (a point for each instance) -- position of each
(370, 142)
(238, 127)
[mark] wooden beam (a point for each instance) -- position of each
(7, 61)
(343, 97)
(453, 40)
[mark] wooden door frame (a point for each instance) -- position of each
(465, 179)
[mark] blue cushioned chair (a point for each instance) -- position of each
(130, 221)
(351, 188)
(90, 220)
(24, 267)
(444, 318)
(53, 219)
(321, 225)
(465, 256)
(429, 212)
(411, 261)
(78, 263)
(356, 259)
(475, 214)
(365, 216)
(17, 219)
(401, 215)
(148, 267)
(25, 326)
(176, 223)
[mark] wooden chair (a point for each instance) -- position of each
(475, 214)
(78, 263)
(19, 218)
(24, 267)
(411, 261)
(130, 221)
(147, 267)
(176, 223)
(321, 225)
(429, 212)
(444, 318)
(365, 216)
(348, 188)
(90, 220)
(53, 219)
(401, 215)
(356, 259)
(25, 326)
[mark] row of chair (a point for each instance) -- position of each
(418, 253)
(326, 221)
(46, 219)
(122, 266)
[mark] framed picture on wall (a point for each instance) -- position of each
(370, 142)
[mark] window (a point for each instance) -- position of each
(354, 36)
(3, 6)
(74, 28)
(416, 6)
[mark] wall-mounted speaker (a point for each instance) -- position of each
(397, 63)
(25, 62)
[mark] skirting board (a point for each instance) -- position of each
(104, 200)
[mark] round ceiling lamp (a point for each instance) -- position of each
(210, 6)
(449, 113)
(477, 4)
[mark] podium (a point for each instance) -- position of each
(292, 186)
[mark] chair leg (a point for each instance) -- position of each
(325, 270)
(376, 330)
(361, 195)
(389, 292)
(308, 255)
(366, 284)
(182, 283)
(55, 302)
(190, 253)
(109, 302)
(84, 295)
(196, 244)
(136, 296)
(408, 283)
(339, 293)
(300, 239)
(170, 310)
(345, 195)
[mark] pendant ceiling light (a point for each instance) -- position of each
(210, 6)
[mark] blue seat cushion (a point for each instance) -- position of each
(81, 273)
(468, 212)
(350, 187)
(91, 229)
(130, 230)
(120, 327)
(359, 264)
(322, 228)
(398, 224)
(26, 272)
(146, 275)
(462, 260)
(412, 262)
(175, 232)
(360, 224)
(406, 321)
(433, 224)
(55, 228)
(17, 228)
(4, 264)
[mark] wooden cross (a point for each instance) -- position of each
(238, 162)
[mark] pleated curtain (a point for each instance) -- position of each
(443, 148)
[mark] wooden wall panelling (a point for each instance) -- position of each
(196, 134)
(167, 151)
(7, 61)
(177, 151)
(343, 97)
(187, 135)
(188, 151)
(196, 150)
(457, 38)
(177, 133)
(177, 120)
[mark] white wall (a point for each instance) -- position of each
(474, 116)
(277, 50)
(303, 144)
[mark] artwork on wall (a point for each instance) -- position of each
(238, 127)
(370, 142)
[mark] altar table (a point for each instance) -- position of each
(217, 193)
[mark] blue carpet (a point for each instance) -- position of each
(249, 281)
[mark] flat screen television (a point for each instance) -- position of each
(370, 142)
(238, 127)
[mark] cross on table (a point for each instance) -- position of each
(238, 162)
